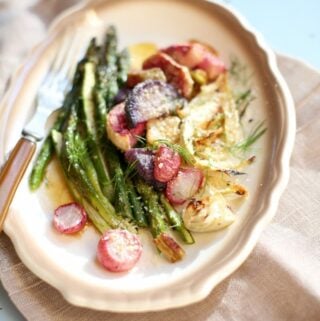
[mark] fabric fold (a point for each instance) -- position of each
(279, 281)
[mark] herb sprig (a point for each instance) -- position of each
(254, 135)
(243, 100)
(182, 151)
(240, 78)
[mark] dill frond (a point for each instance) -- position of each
(239, 72)
(141, 140)
(130, 171)
(183, 152)
(243, 100)
(240, 80)
(254, 135)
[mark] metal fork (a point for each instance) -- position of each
(50, 97)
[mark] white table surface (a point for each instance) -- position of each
(291, 27)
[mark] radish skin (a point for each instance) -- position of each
(166, 164)
(184, 185)
(118, 131)
(119, 250)
(197, 56)
(176, 74)
(69, 218)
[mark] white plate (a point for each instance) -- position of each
(68, 263)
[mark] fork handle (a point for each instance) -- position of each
(13, 172)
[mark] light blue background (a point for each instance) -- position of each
(290, 27)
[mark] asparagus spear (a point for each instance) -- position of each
(94, 216)
(164, 242)
(101, 105)
(111, 75)
(77, 149)
(106, 74)
(176, 220)
(105, 91)
(110, 47)
(157, 220)
(109, 53)
(123, 204)
(89, 108)
(47, 149)
(136, 204)
(46, 152)
(41, 163)
(74, 160)
(97, 200)
(97, 220)
(106, 70)
(123, 67)
(121, 190)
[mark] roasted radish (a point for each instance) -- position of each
(197, 56)
(69, 218)
(184, 185)
(143, 161)
(118, 131)
(151, 99)
(166, 164)
(119, 250)
(121, 95)
(177, 75)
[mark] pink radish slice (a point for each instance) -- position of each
(197, 56)
(119, 250)
(118, 131)
(69, 218)
(176, 74)
(186, 54)
(184, 185)
(166, 164)
(212, 65)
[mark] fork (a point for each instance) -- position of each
(49, 98)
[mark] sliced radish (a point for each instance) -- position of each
(197, 56)
(118, 131)
(69, 218)
(213, 65)
(186, 54)
(166, 164)
(177, 75)
(143, 160)
(119, 250)
(184, 185)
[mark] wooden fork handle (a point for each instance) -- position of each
(13, 172)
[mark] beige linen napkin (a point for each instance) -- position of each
(279, 281)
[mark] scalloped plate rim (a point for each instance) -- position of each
(252, 237)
